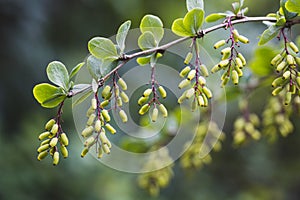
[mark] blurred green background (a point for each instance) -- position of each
(35, 32)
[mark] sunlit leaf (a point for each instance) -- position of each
(58, 74)
(215, 17)
(179, 29)
(269, 34)
(193, 20)
(293, 6)
(107, 66)
(154, 25)
(147, 41)
(93, 66)
(191, 4)
(122, 34)
(49, 96)
(143, 60)
(102, 48)
(76, 69)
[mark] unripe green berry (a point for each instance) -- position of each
(219, 44)
(184, 71)
(163, 110)
(226, 50)
(110, 128)
(49, 124)
(105, 92)
(144, 109)
(207, 92)
(106, 149)
(105, 115)
(55, 158)
(45, 142)
(290, 59)
(286, 74)
(182, 98)
(44, 135)
(202, 81)
(281, 66)
(52, 151)
(119, 102)
(104, 103)
(122, 84)
(90, 111)
(225, 81)
(276, 91)
(238, 70)
(53, 142)
(147, 92)
(142, 100)
(243, 39)
(191, 75)
(90, 141)
(288, 98)
(162, 91)
(194, 105)
(64, 139)
(123, 116)
(189, 93)
(124, 97)
(275, 60)
(184, 83)
(223, 63)
(88, 131)
(154, 114)
(203, 70)
(239, 62)
(244, 62)
(117, 91)
(42, 155)
(94, 103)
(235, 77)
(215, 69)
(91, 119)
(64, 151)
(293, 47)
(98, 125)
(43, 148)
(84, 152)
(54, 129)
(100, 152)
(278, 82)
(188, 58)
(200, 101)
(235, 35)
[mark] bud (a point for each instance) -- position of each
(106, 91)
(235, 77)
(147, 92)
(42, 155)
(226, 50)
(281, 66)
(276, 59)
(55, 158)
(84, 152)
(184, 71)
(100, 152)
(110, 128)
(91, 119)
(54, 129)
(293, 47)
(276, 91)
(239, 62)
(122, 84)
(223, 63)
(154, 114)
(188, 58)
(119, 102)
(219, 44)
(124, 97)
(64, 151)
(290, 59)
(203, 70)
(44, 135)
(123, 116)
(105, 114)
(243, 39)
(163, 110)
(162, 91)
(88, 131)
(49, 124)
(286, 74)
(142, 100)
(207, 92)
(240, 56)
(189, 93)
(98, 125)
(288, 98)
(184, 83)
(202, 81)
(94, 103)
(104, 103)
(144, 109)
(215, 69)
(43, 148)
(191, 75)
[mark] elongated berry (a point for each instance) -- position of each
(189, 93)
(45, 142)
(215, 69)
(200, 101)
(184, 71)
(239, 62)
(64, 139)
(154, 114)
(94, 103)
(43, 148)
(203, 70)
(64, 151)
(104, 103)
(223, 63)
(207, 92)
(49, 124)
(276, 91)
(226, 50)
(162, 91)
(54, 129)
(235, 77)
(147, 92)
(144, 109)
(182, 98)
(123, 116)
(238, 70)
(288, 98)
(53, 142)
(290, 59)
(105, 92)
(142, 100)
(235, 35)
(105, 115)
(106, 149)
(90, 111)
(163, 110)
(202, 81)
(294, 47)
(225, 81)
(184, 83)
(88, 131)
(188, 58)
(244, 62)
(91, 119)
(243, 39)
(119, 102)
(122, 84)
(89, 141)
(98, 125)
(219, 44)
(286, 74)
(84, 152)
(117, 91)
(42, 155)
(281, 66)
(276, 59)
(194, 105)
(100, 152)
(55, 158)
(191, 75)
(44, 135)
(110, 128)
(277, 82)
(124, 97)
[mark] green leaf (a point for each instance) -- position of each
(154, 25)
(215, 17)
(76, 69)
(81, 98)
(260, 64)
(269, 34)
(179, 29)
(107, 66)
(193, 20)
(102, 48)
(147, 41)
(143, 60)
(122, 34)
(191, 4)
(93, 65)
(49, 96)
(58, 74)
(236, 7)
(293, 6)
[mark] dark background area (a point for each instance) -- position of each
(35, 32)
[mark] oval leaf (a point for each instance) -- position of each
(154, 25)
(193, 20)
(147, 41)
(191, 4)
(143, 60)
(58, 74)
(102, 48)
(269, 34)
(76, 69)
(107, 66)
(49, 96)
(214, 17)
(93, 65)
(179, 29)
(293, 6)
(122, 34)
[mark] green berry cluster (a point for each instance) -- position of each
(151, 97)
(153, 181)
(232, 62)
(50, 139)
(276, 118)
(287, 65)
(191, 158)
